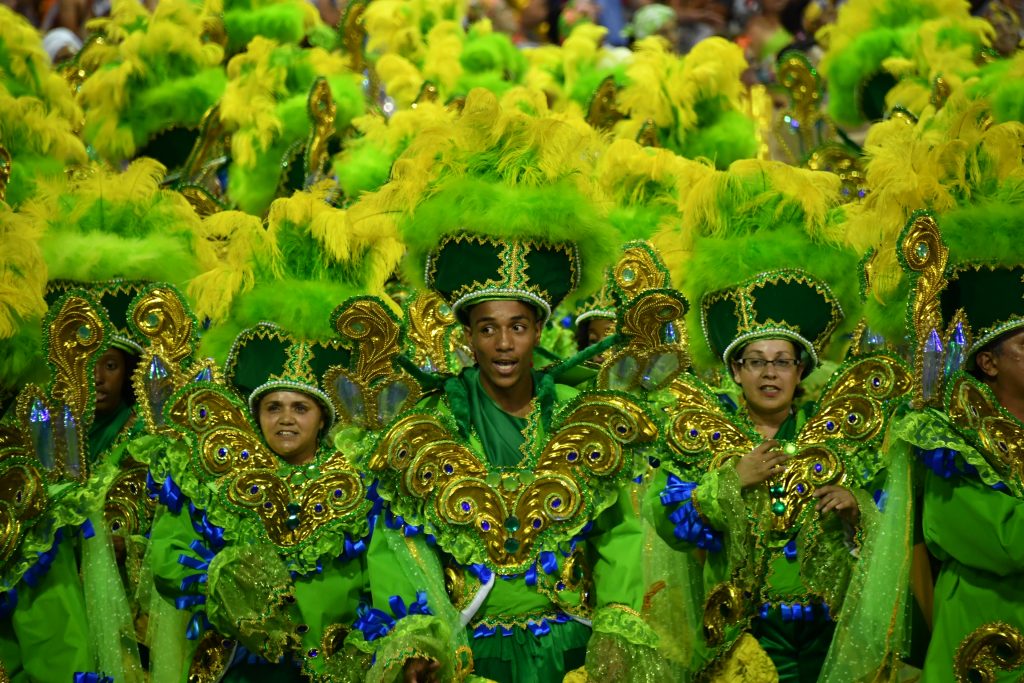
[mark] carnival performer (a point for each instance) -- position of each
(966, 431)
(776, 504)
(524, 509)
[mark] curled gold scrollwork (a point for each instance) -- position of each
(991, 647)
(75, 335)
(22, 498)
(510, 510)
(699, 426)
(374, 392)
(429, 323)
(161, 317)
(322, 113)
(923, 252)
(722, 608)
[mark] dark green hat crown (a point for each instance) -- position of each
(466, 269)
(115, 296)
(788, 304)
(266, 358)
(991, 298)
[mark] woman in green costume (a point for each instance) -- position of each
(265, 530)
(775, 498)
(967, 432)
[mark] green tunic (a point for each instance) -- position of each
(535, 626)
(974, 525)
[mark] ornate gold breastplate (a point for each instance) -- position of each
(510, 514)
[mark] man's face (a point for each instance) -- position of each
(109, 377)
(503, 335)
(768, 389)
(1004, 366)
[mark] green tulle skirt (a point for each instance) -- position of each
(525, 658)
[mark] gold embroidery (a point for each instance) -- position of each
(510, 510)
(128, 510)
(1000, 436)
(987, 649)
(428, 333)
(213, 654)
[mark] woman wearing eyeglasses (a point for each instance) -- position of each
(771, 495)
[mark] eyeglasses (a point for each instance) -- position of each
(758, 364)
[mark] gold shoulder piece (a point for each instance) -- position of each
(990, 648)
(23, 497)
(429, 329)
(1000, 437)
(322, 113)
(128, 509)
(853, 407)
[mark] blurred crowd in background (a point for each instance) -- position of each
(764, 28)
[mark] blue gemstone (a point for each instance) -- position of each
(556, 503)
(571, 457)
(313, 653)
(694, 433)
(202, 413)
(466, 506)
(716, 436)
(536, 522)
(222, 451)
(876, 382)
(559, 586)
(245, 455)
(818, 468)
(852, 418)
(268, 505)
(428, 475)
(595, 455)
(254, 489)
(800, 488)
(318, 508)
(448, 469)
(337, 493)
(830, 426)
(486, 526)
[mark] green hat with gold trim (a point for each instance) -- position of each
(266, 358)
(600, 305)
(469, 269)
(781, 304)
(991, 297)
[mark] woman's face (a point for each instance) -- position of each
(291, 422)
(109, 377)
(768, 389)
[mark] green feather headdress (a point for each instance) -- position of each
(764, 231)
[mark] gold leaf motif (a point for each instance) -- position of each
(699, 426)
(806, 470)
(722, 608)
(161, 317)
(990, 648)
(23, 497)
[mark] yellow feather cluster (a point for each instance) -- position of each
(665, 88)
(22, 272)
(136, 48)
(226, 245)
(248, 107)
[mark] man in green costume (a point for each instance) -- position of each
(967, 433)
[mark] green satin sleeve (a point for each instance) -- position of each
(969, 522)
(50, 623)
(170, 538)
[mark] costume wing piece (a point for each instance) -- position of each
(508, 513)
(701, 435)
(228, 455)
